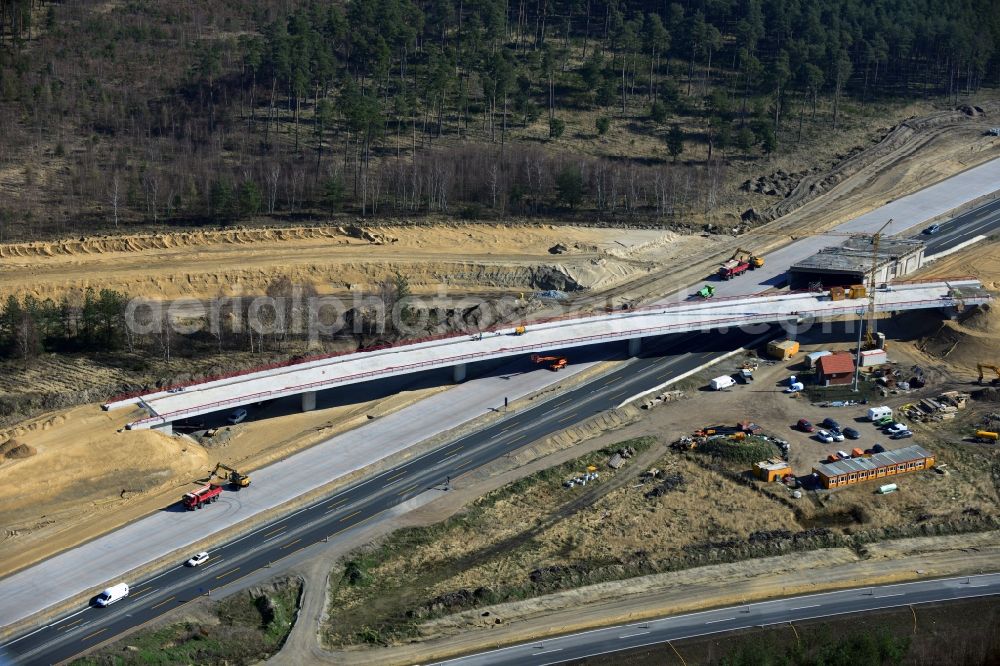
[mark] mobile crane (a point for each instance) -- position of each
(555, 362)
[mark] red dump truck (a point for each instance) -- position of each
(733, 267)
(204, 495)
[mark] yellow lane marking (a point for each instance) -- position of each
(227, 573)
(339, 502)
(396, 476)
(457, 448)
(407, 489)
(290, 544)
(165, 601)
(350, 515)
(67, 626)
(571, 416)
(463, 464)
(87, 638)
(280, 529)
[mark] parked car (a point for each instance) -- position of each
(824, 436)
(804, 425)
(837, 435)
(198, 559)
(933, 229)
(884, 421)
(851, 433)
(238, 416)
(902, 434)
(896, 427)
(830, 424)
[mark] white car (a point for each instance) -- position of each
(837, 435)
(824, 436)
(200, 558)
(896, 427)
(238, 416)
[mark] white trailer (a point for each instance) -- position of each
(722, 382)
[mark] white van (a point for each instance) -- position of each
(876, 413)
(723, 382)
(112, 594)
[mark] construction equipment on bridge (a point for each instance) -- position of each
(236, 480)
(519, 330)
(555, 362)
(754, 260)
(985, 366)
(707, 291)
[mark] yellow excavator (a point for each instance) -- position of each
(236, 480)
(754, 260)
(985, 366)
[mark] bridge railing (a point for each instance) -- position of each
(662, 329)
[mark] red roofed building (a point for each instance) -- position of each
(837, 368)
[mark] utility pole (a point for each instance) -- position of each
(857, 364)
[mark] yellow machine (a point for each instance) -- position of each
(985, 366)
(519, 330)
(987, 436)
(754, 260)
(236, 480)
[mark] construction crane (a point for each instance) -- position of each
(986, 366)
(555, 362)
(236, 480)
(871, 341)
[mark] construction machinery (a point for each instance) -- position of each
(196, 499)
(520, 330)
(555, 363)
(986, 437)
(236, 479)
(707, 291)
(754, 260)
(741, 262)
(985, 366)
(871, 340)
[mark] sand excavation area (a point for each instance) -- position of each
(975, 336)
(480, 258)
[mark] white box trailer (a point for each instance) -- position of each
(876, 413)
(722, 382)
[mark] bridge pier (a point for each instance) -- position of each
(458, 373)
(634, 345)
(308, 401)
(166, 428)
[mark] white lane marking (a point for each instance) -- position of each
(549, 651)
(884, 596)
(725, 619)
(641, 633)
(804, 607)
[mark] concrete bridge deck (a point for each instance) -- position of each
(713, 314)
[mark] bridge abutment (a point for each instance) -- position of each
(458, 373)
(308, 401)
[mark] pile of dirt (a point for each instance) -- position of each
(13, 449)
(373, 237)
(968, 341)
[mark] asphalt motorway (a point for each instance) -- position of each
(604, 641)
(980, 221)
(662, 359)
